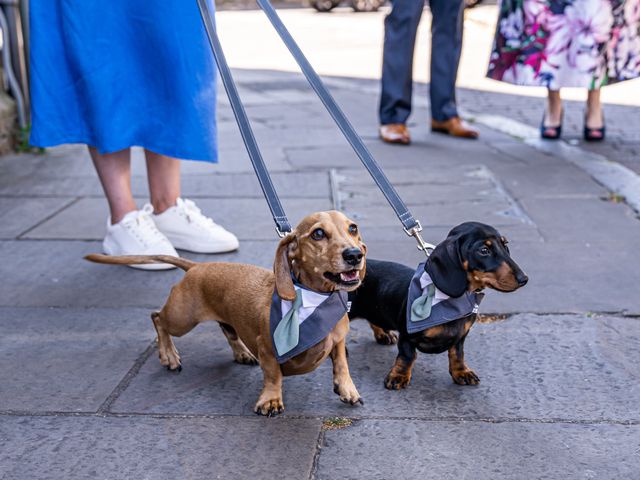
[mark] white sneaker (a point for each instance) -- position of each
(188, 229)
(136, 234)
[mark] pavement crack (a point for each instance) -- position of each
(126, 380)
(48, 217)
(105, 413)
(316, 455)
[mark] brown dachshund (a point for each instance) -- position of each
(324, 253)
(473, 257)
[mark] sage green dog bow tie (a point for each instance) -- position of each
(287, 333)
(421, 306)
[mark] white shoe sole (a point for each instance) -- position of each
(141, 266)
(205, 247)
(153, 266)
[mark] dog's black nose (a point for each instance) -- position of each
(352, 256)
(522, 279)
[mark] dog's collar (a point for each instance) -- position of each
(427, 306)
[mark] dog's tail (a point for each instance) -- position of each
(182, 263)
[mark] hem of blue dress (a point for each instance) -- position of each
(146, 145)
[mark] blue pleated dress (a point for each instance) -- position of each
(121, 73)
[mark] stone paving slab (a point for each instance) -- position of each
(275, 117)
(17, 215)
(382, 449)
(497, 213)
(61, 162)
(193, 185)
(419, 188)
(532, 367)
(584, 221)
(248, 218)
(436, 151)
(245, 185)
(143, 448)
(294, 136)
(39, 185)
(233, 158)
(67, 359)
(71, 161)
(54, 273)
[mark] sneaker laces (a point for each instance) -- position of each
(141, 226)
(194, 215)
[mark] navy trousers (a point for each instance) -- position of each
(400, 29)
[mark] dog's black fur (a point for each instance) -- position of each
(472, 257)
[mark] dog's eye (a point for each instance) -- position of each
(318, 234)
(484, 251)
(353, 229)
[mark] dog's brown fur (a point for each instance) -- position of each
(238, 297)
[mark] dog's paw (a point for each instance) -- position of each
(245, 358)
(386, 337)
(465, 377)
(396, 381)
(269, 407)
(170, 358)
(348, 393)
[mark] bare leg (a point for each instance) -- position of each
(553, 115)
(114, 171)
(594, 118)
(164, 180)
(342, 382)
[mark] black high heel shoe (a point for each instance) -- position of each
(593, 134)
(551, 133)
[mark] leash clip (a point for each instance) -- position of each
(423, 246)
(281, 233)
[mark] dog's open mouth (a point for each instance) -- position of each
(350, 277)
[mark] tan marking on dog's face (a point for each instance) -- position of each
(318, 253)
(503, 279)
(488, 243)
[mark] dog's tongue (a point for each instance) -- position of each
(349, 276)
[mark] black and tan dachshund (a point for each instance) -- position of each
(474, 256)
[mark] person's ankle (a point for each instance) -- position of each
(594, 116)
(119, 214)
(553, 116)
(161, 205)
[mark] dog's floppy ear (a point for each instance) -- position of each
(445, 268)
(282, 269)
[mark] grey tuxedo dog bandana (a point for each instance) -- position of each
(427, 306)
(297, 326)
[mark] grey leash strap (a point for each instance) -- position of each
(282, 223)
(411, 226)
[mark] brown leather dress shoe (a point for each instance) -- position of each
(454, 127)
(395, 133)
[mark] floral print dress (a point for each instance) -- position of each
(566, 43)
